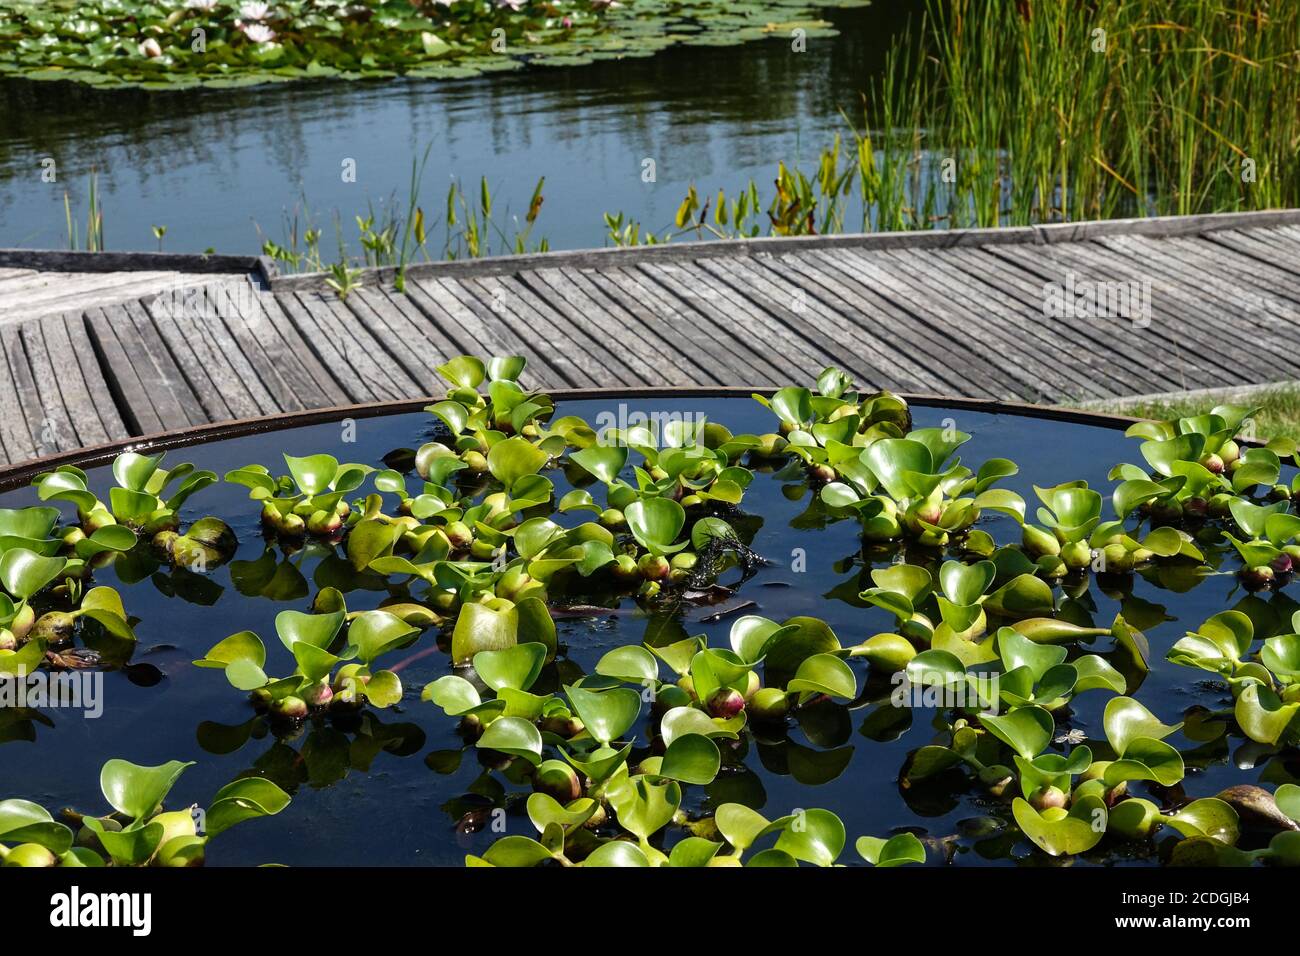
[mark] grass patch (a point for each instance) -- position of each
(1278, 415)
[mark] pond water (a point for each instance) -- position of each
(393, 787)
(208, 164)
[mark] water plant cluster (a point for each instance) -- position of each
(476, 551)
(177, 44)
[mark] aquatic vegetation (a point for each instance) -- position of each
(228, 43)
(44, 566)
(143, 504)
(138, 831)
(472, 553)
(970, 125)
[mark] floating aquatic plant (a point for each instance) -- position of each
(138, 831)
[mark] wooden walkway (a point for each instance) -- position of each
(959, 313)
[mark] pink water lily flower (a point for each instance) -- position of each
(254, 10)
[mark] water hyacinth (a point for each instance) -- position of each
(471, 552)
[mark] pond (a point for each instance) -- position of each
(209, 164)
(402, 786)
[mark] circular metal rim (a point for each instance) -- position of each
(14, 476)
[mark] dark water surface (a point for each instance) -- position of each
(408, 783)
(208, 164)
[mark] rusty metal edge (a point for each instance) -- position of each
(14, 476)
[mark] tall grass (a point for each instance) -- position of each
(1012, 112)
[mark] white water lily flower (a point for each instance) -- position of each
(259, 33)
(150, 48)
(202, 4)
(515, 5)
(254, 10)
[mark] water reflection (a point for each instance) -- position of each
(208, 164)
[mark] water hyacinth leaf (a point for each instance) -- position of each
(935, 668)
(1125, 720)
(1059, 833)
(1161, 455)
(633, 664)
(514, 458)
(966, 583)
(751, 636)
(607, 714)
(515, 667)
(113, 537)
(1026, 730)
(1281, 655)
(693, 852)
(772, 858)
(1208, 817)
(131, 846)
(644, 806)
(814, 836)
(314, 473)
(370, 539)
(1017, 650)
(691, 758)
(1287, 798)
(373, 633)
(603, 462)
(384, 689)
(516, 851)
(22, 821)
(138, 791)
(1146, 759)
(245, 799)
(619, 853)
(793, 405)
(1000, 499)
(453, 694)
(792, 647)
(1094, 672)
(318, 630)
(133, 471)
(314, 663)
(514, 736)
(544, 810)
(1023, 596)
(31, 523)
(1262, 715)
(656, 523)
(464, 371)
(893, 462)
(824, 674)
(896, 851)
(24, 573)
(680, 721)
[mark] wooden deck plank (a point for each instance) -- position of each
(846, 340)
(1166, 348)
(70, 420)
(1197, 321)
(962, 313)
(473, 323)
(139, 413)
(1183, 263)
(1118, 346)
(92, 375)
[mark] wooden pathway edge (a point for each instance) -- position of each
(957, 313)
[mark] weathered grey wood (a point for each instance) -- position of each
(775, 245)
(637, 321)
(1195, 323)
(77, 342)
(1165, 348)
(961, 312)
(855, 346)
(299, 362)
(1117, 347)
(70, 421)
(645, 357)
(139, 413)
